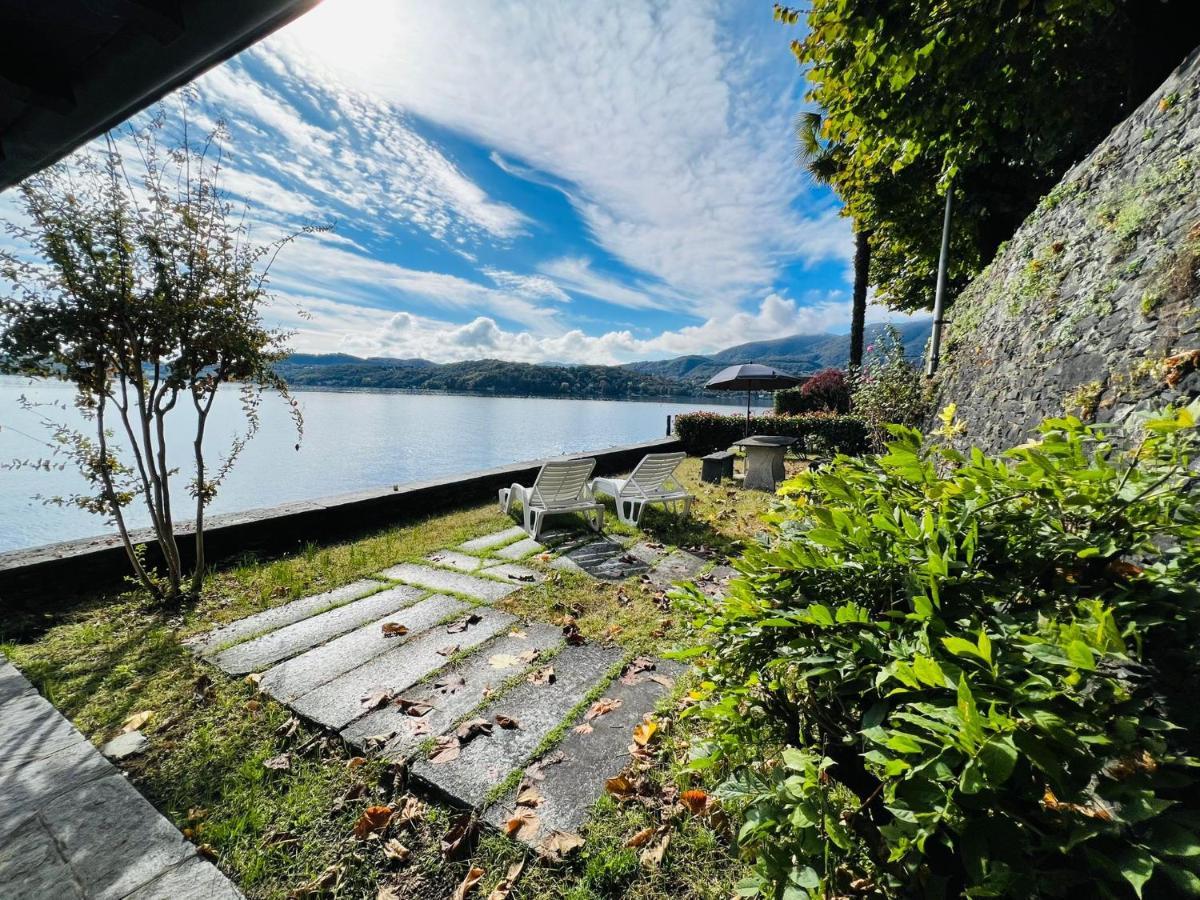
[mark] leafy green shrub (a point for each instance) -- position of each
(704, 432)
(952, 674)
(827, 391)
(888, 389)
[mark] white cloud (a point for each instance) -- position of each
(674, 141)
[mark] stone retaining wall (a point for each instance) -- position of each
(94, 564)
(1092, 308)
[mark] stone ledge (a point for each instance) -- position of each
(45, 576)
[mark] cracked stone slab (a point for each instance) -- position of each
(193, 879)
(453, 693)
(452, 559)
(260, 652)
(337, 703)
(570, 786)
(678, 566)
(538, 708)
(114, 841)
(270, 619)
(31, 866)
(599, 559)
(497, 539)
(483, 590)
(514, 573)
(522, 548)
(301, 674)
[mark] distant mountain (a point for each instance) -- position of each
(798, 354)
(484, 376)
(683, 376)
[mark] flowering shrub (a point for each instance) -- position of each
(827, 391)
(704, 432)
(958, 675)
(888, 389)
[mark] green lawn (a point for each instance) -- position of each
(275, 832)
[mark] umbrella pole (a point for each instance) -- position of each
(747, 413)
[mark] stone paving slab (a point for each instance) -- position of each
(338, 702)
(270, 619)
(72, 826)
(258, 653)
(497, 539)
(462, 688)
(482, 589)
(715, 582)
(452, 559)
(519, 550)
(538, 708)
(572, 785)
(590, 558)
(514, 573)
(646, 553)
(301, 674)
(679, 566)
(33, 729)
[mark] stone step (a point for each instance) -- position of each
(519, 550)
(571, 785)
(483, 590)
(315, 667)
(462, 688)
(496, 539)
(678, 566)
(538, 708)
(338, 702)
(270, 619)
(256, 654)
(452, 559)
(514, 574)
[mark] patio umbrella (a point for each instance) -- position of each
(749, 378)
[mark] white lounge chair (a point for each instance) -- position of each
(560, 487)
(653, 481)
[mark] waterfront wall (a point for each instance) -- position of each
(59, 571)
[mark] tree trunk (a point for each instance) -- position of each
(858, 311)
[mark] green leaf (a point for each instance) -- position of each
(1081, 656)
(1136, 866)
(928, 671)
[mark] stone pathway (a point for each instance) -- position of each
(72, 826)
(415, 664)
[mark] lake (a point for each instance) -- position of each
(352, 441)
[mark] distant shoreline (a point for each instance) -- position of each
(734, 401)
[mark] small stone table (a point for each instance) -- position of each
(764, 460)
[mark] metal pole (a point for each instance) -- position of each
(747, 412)
(939, 297)
(668, 424)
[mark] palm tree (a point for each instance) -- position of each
(821, 160)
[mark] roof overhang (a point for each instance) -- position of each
(72, 69)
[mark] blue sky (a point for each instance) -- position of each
(545, 181)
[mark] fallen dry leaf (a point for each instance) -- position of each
(324, 883)
(643, 732)
(458, 841)
(621, 787)
(280, 763)
(544, 675)
(633, 674)
(396, 852)
(460, 625)
(507, 722)
(394, 629)
(537, 771)
(503, 661)
(411, 811)
(583, 728)
(561, 843)
(288, 728)
(413, 707)
(524, 824)
(448, 651)
(355, 761)
(517, 634)
(641, 837)
(417, 728)
(528, 795)
(208, 851)
(137, 720)
(602, 707)
(652, 856)
(446, 750)
(375, 699)
(450, 684)
(573, 635)
(254, 678)
(373, 820)
(468, 882)
(502, 890)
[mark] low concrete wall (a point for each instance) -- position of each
(98, 564)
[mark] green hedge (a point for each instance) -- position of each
(704, 432)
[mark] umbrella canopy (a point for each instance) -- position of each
(751, 377)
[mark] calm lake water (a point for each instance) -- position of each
(352, 441)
